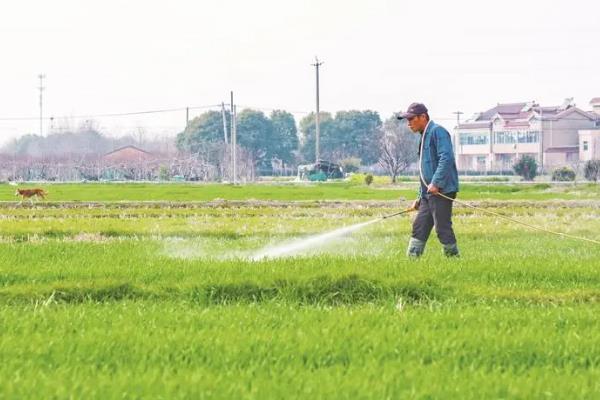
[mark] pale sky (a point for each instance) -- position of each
(125, 56)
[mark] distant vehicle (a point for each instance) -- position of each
(320, 171)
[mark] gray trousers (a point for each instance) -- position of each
(435, 211)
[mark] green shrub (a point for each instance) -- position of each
(591, 171)
(564, 174)
(359, 179)
(526, 167)
(368, 179)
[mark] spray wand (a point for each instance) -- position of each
(399, 213)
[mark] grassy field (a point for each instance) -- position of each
(136, 300)
(298, 192)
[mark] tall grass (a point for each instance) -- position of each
(126, 301)
(176, 350)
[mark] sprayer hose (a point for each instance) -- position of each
(516, 221)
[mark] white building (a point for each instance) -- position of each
(589, 139)
(493, 140)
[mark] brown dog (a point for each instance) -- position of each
(30, 193)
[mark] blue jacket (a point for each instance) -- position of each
(437, 163)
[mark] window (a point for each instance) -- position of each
(473, 138)
(505, 138)
(511, 137)
(585, 145)
(528, 137)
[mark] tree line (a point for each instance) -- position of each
(348, 137)
(85, 140)
(267, 144)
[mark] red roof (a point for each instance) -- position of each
(503, 110)
(126, 147)
(520, 114)
(570, 110)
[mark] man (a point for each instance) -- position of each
(439, 183)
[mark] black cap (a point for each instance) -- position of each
(413, 110)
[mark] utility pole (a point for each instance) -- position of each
(317, 64)
(224, 122)
(187, 116)
(458, 114)
(233, 140)
(41, 77)
(542, 139)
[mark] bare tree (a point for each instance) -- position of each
(577, 167)
(398, 148)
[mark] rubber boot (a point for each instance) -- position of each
(451, 250)
(415, 248)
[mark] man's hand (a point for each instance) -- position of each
(433, 189)
(415, 204)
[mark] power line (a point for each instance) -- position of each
(89, 116)
(168, 110)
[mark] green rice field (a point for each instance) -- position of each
(123, 291)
